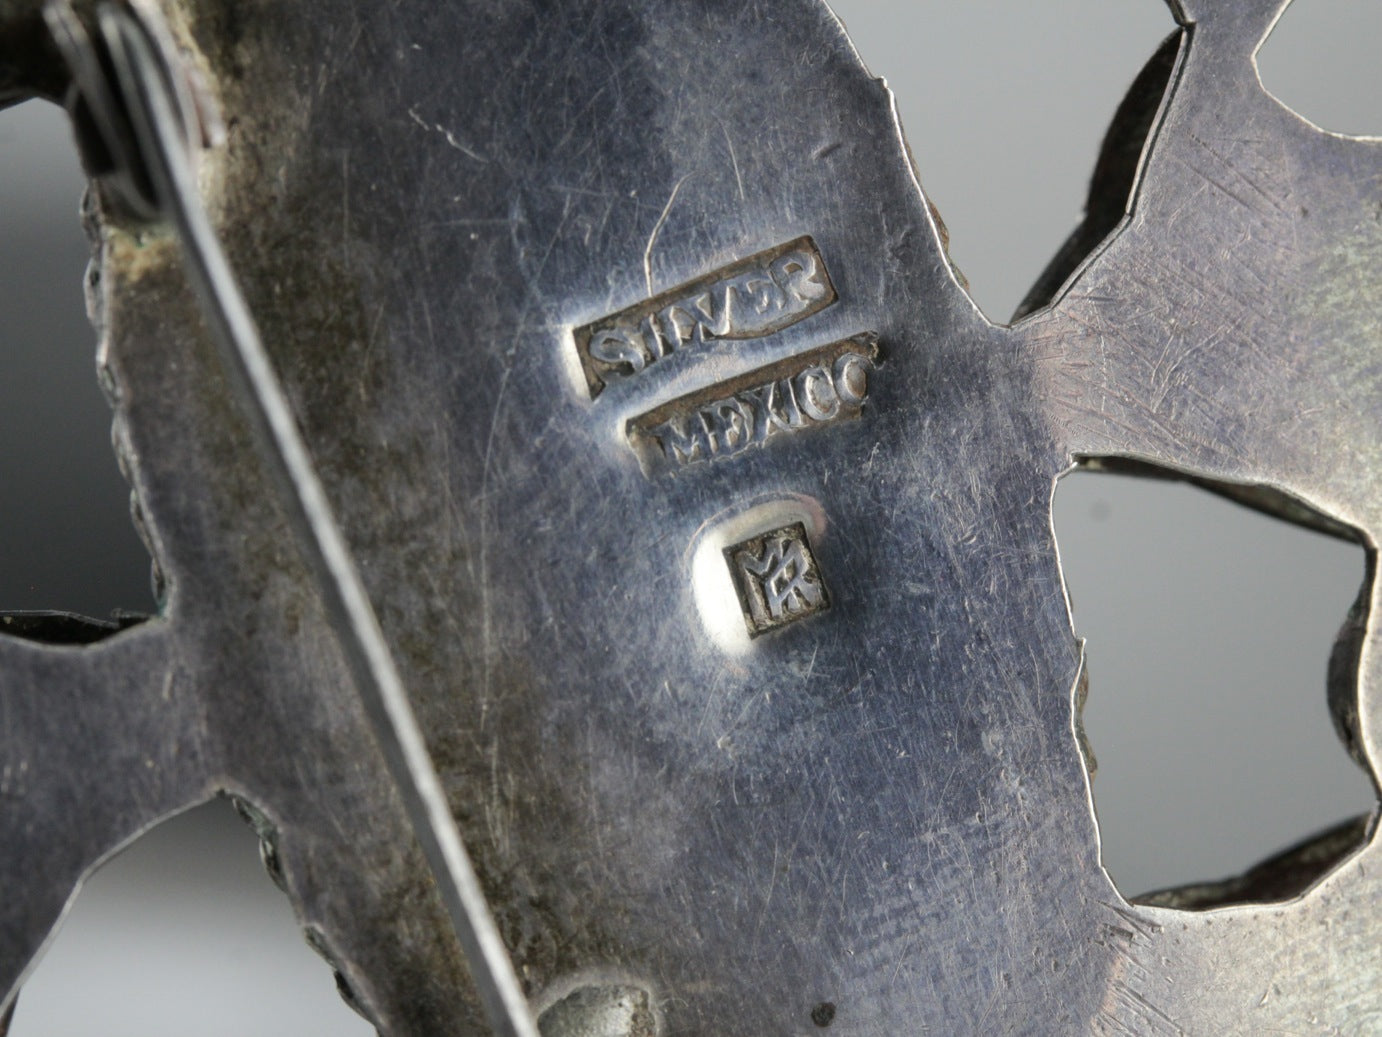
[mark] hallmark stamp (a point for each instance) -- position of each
(777, 579)
(754, 297)
(818, 387)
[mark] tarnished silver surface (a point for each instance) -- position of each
(775, 730)
(142, 90)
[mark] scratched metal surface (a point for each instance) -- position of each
(878, 803)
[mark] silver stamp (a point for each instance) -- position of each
(748, 299)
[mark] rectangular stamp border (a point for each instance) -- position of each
(728, 417)
(644, 315)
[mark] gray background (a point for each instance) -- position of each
(1208, 626)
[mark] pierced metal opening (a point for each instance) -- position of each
(1115, 173)
(183, 933)
(1208, 629)
(1004, 106)
(70, 549)
(1321, 62)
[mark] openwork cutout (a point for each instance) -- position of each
(65, 525)
(1207, 649)
(183, 933)
(1007, 160)
(1321, 62)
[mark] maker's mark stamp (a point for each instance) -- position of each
(776, 578)
(754, 297)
